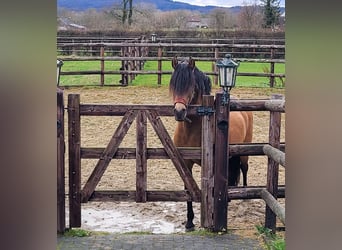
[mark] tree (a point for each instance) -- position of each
(144, 17)
(125, 16)
(271, 12)
(122, 12)
(250, 16)
(221, 19)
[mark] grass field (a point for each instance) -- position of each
(151, 80)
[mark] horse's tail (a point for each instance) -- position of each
(248, 115)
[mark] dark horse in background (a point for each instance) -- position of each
(187, 85)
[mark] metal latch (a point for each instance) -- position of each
(205, 110)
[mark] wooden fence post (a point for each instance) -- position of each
(73, 51)
(129, 64)
(140, 54)
(160, 54)
(74, 135)
(207, 164)
(214, 65)
(124, 76)
(135, 62)
(272, 69)
(141, 157)
(221, 165)
(60, 163)
(273, 166)
(102, 65)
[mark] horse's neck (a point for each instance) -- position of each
(190, 133)
(195, 124)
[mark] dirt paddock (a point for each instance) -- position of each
(162, 175)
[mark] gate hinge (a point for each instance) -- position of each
(205, 110)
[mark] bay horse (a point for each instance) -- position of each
(187, 85)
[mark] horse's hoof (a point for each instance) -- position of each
(189, 227)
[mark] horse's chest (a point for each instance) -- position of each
(188, 136)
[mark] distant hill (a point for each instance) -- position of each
(78, 5)
(163, 5)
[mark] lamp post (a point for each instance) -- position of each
(227, 76)
(59, 66)
(154, 37)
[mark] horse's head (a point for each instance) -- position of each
(187, 85)
(182, 86)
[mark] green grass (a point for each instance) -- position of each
(272, 241)
(204, 232)
(152, 79)
(77, 233)
(254, 81)
(138, 233)
(71, 80)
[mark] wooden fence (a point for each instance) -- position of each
(133, 55)
(213, 194)
(256, 52)
(167, 39)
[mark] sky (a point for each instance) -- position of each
(223, 3)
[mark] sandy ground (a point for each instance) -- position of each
(160, 217)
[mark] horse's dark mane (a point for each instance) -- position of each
(202, 82)
(185, 79)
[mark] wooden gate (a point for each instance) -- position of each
(214, 192)
(130, 113)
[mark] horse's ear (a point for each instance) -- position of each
(174, 62)
(191, 63)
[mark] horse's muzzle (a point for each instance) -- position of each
(180, 114)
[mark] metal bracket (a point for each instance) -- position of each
(205, 110)
(59, 124)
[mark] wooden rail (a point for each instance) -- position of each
(109, 39)
(186, 152)
(275, 154)
(168, 45)
(273, 204)
(233, 193)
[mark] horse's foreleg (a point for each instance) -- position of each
(189, 226)
(190, 217)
